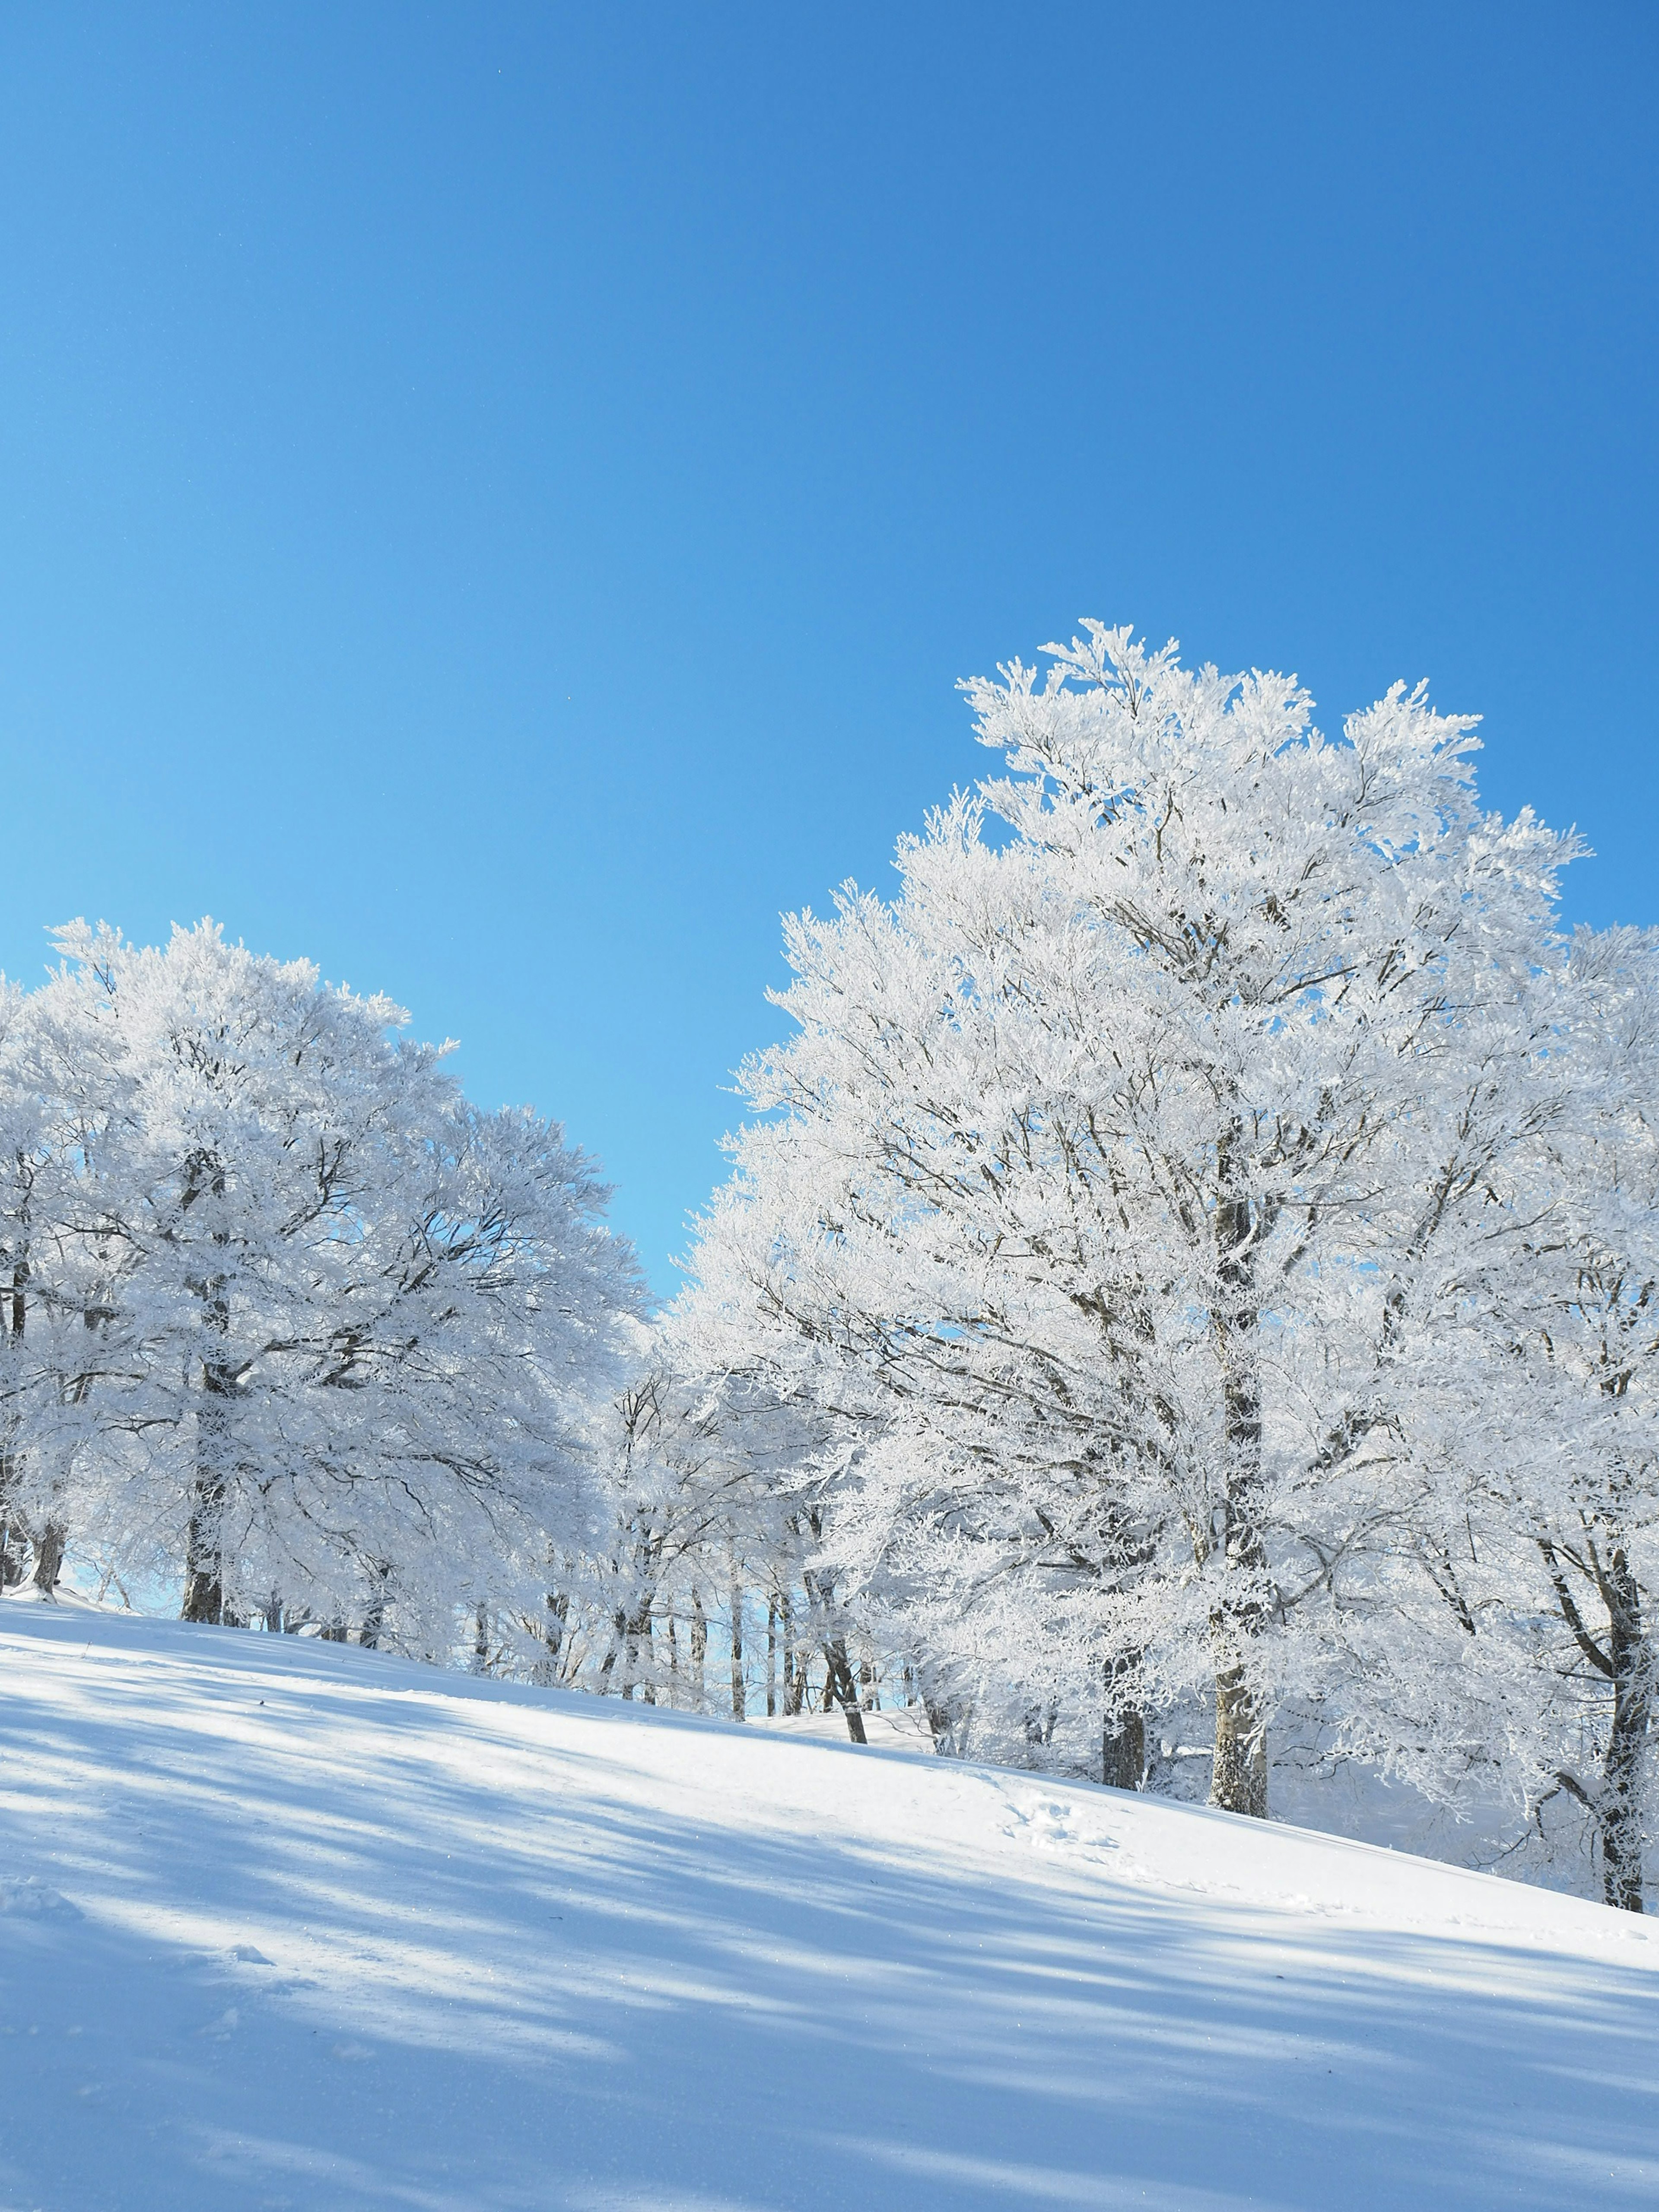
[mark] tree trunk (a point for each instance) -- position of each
(204, 1589)
(1040, 1726)
(204, 1595)
(740, 1703)
(553, 1627)
(794, 1675)
(1238, 1781)
(12, 1317)
(374, 1623)
(771, 1658)
(49, 1557)
(1123, 1731)
(840, 1688)
(11, 1528)
(1621, 1810)
(1123, 1752)
(1624, 1662)
(699, 1650)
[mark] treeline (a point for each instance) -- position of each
(1192, 1266)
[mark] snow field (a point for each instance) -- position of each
(286, 1924)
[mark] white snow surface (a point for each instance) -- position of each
(289, 1924)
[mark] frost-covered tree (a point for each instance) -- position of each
(317, 1333)
(1592, 1509)
(29, 1521)
(1092, 1196)
(1535, 1419)
(713, 1583)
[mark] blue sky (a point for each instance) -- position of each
(497, 500)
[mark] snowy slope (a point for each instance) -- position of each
(287, 1924)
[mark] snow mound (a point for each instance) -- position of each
(351, 1932)
(31, 1898)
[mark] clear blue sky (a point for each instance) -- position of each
(497, 499)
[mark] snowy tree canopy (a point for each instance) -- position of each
(1135, 1181)
(286, 1314)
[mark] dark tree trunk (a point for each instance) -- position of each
(204, 1595)
(840, 1688)
(1123, 1730)
(1621, 1814)
(1238, 1783)
(558, 1612)
(1123, 1752)
(1624, 1662)
(49, 1557)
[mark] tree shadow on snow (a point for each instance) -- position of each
(483, 1978)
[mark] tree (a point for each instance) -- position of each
(1539, 1377)
(713, 1498)
(323, 1331)
(1090, 1197)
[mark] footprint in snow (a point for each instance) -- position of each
(248, 1955)
(352, 2051)
(1047, 1827)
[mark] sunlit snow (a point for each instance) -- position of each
(290, 1924)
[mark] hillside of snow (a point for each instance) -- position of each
(288, 1924)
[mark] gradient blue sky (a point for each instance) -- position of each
(497, 499)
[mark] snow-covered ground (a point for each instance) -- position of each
(289, 1924)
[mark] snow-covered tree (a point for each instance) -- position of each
(29, 1519)
(1093, 1193)
(1535, 1413)
(715, 1528)
(321, 1334)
